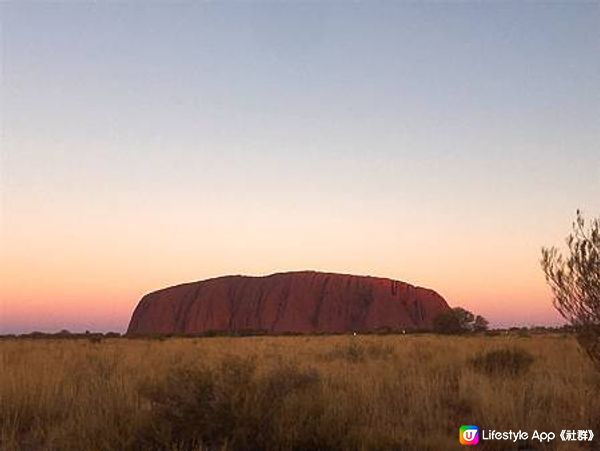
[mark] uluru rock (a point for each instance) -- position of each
(303, 302)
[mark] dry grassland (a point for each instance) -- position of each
(305, 392)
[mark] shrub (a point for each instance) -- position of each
(112, 335)
(447, 323)
(502, 362)
(459, 321)
(575, 282)
(356, 352)
(480, 324)
(230, 406)
(523, 332)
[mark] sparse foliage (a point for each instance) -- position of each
(575, 282)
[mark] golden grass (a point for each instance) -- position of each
(373, 392)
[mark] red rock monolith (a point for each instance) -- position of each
(296, 302)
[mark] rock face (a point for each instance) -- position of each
(305, 301)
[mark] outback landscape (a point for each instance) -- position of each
(299, 225)
(364, 392)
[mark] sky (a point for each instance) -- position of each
(149, 144)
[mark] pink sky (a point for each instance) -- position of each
(88, 270)
(146, 145)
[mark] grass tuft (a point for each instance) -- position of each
(503, 362)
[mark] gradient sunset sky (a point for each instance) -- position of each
(145, 145)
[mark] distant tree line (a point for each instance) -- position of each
(65, 335)
(443, 325)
